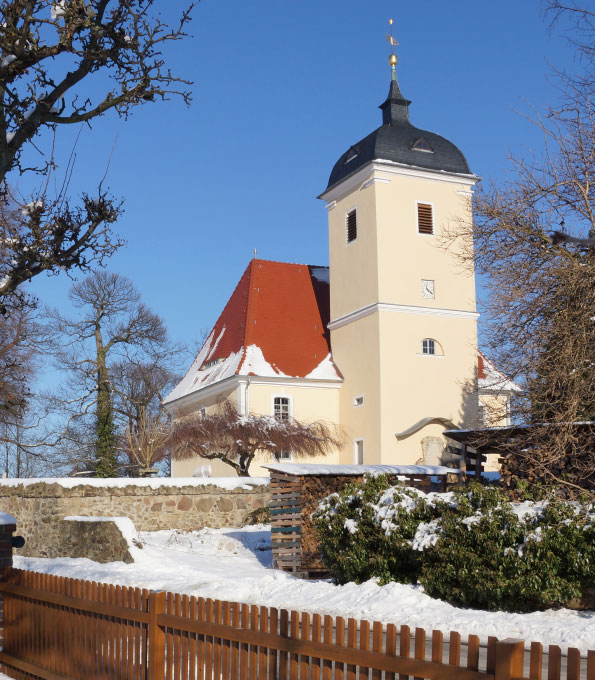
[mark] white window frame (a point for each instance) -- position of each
(290, 417)
(355, 443)
(438, 349)
(433, 234)
(354, 208)
(289, 405)
(357, 398)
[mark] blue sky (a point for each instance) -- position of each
(281, 90)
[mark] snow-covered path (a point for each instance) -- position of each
(235, 564)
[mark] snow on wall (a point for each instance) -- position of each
(318, 469)
(154, 483)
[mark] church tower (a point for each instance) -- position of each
(403, 317)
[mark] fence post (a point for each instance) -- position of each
(156, 652)
(8, 525)
(510, 657)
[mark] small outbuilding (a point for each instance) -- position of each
(297, 489)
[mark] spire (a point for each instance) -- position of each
(395, 110)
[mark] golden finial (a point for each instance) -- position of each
(255, 253)
(393, 59)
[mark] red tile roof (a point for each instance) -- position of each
(278, 309)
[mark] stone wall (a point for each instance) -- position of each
(152, 505)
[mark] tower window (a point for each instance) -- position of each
(422, 145)
(428, 346)
(351, 224)
(281, 408)
(425, 220)
(358, 452)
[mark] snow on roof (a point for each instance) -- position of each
(319, 469)
(151, 482)
(274, 325)
(490, 378)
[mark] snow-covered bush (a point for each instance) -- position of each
(472, 547)
(494, 554)
(367, 530)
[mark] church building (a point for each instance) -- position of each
(383, 342)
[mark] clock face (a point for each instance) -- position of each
(427, 288)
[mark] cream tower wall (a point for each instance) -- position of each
(379, 318)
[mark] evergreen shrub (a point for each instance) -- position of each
(472, 547)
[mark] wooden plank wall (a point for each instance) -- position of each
(58, 628)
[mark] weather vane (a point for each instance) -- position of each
(392, 60)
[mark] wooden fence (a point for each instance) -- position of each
(58, 628)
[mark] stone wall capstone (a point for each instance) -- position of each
(152, 505)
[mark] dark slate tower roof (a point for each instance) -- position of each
(396, 140)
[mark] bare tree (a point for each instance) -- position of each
(65, 62)
(540, 311)
(113, 326)
(235, 439)
(146, 442)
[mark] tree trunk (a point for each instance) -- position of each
(105, 444)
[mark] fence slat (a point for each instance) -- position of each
(591, 665)
(235, 646)
(263, 627)
(253, 653)
(352, 644)
(535, 661)
(200, 640)
(316, 637)
(391, 646)
(339, 642)
(294, 633)
(209, 616)
(473, 652)
(244, 623)
(574, 664)
(327, 665)
(404, 646)
(454, 651)
(364, 644)
(420, 646)
(491, 654)
(377, 646)
(437, 646)
(226, 651)
(283, 632)
(273, 654)
(554, 662)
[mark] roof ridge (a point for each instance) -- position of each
(294, 264)
(248, 330)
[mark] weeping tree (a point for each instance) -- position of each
(227, 435)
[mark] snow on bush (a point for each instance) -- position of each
(472, 547)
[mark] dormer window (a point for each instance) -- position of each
(351, 154)
(211, 363)
(422, 145)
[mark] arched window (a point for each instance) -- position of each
(422, 145)
(428, 346)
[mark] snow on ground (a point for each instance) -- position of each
(235, 565)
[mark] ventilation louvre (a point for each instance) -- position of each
(425, 221)
(351, 226)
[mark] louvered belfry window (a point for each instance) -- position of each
(351, 226)
(425, 222)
